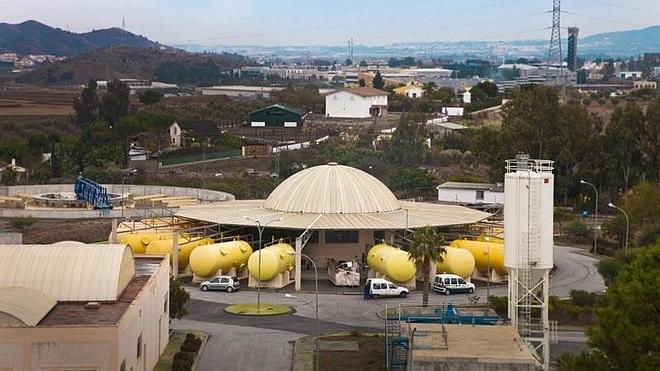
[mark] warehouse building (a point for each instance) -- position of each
(362, 102)
(471, 193)
(72, 306)
(275, 115)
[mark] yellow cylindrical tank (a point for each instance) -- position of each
(275, 259)
(394, 263)
(186, 246)
(480, 249)
(208, 259)
(456, 261)
(139, 241)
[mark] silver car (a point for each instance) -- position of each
(226, 283)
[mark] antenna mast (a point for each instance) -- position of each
(123, 27)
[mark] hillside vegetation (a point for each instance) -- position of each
(132, 62)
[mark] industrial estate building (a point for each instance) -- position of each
(275, 115)
(361, 102)
(336, 212)
(72, 306)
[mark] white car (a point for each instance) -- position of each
(382, 287)
(227, 283)
(450, 283)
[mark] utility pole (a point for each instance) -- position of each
(123, 27)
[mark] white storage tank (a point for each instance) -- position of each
(528, 213)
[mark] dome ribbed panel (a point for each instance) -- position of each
(332, 189)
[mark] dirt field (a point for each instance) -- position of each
(54, 230)
(27, 100)
(371, 355)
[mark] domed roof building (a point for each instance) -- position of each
(340, 210)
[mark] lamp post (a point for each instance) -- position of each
(625, 244)
(595, 216)
(123, 178)
(488, 270)
(260, 227)
(316, 309)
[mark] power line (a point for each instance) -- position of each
(623, 7)
(603, 19)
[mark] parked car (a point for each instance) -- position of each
(226, 283)
(450, 283)
(382, 287)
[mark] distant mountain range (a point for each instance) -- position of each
(611, 44)
(32, 37)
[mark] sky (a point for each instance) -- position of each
(314, 22)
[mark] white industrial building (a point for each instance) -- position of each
(362, 102)
(240, 91)
(471, 193)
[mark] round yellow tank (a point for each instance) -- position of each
(457, 261)
(185, 248)
(392, 262)
(208, 259)
(275, 259)
(479, 250)
(139, 241)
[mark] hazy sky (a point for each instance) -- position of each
(308, 22)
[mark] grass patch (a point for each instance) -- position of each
(265, 309)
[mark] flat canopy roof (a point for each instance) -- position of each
(410, 215)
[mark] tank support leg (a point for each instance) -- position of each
(113, 233)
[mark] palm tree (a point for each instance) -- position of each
(427, 247)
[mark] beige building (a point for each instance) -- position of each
(644, 84)
(72, 306)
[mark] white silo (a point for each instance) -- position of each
(528, 247)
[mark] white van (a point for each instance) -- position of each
(450, 283)
(382, 287)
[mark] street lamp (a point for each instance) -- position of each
(625, 245)
(260, 227)
(123, 178)
(595, 216)
(316, 288)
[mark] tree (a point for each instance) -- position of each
(178, 299)
(412, 182)
(651, 140)
(115, 103)
(426, 248)
(407, 145)
(86, 105)
(9, 176)
(623, 140)
(348, 62)
(363, 63)
(625, 336)
(378, 82)
(150, 97)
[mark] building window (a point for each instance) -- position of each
(139, 346)
(314, 238)
(166, 302)
(342, 236)
(123, 366)
(480, 195)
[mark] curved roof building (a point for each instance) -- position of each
(333, 197)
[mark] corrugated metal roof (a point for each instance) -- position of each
(68, 271)
(410, 215)
(332, 189)
(462, 185)
(28, 305)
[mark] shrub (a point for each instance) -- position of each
(500, 304)
(22, 223)
(182, 361)
(602, 101)
(583, 298)
(577, 228)
(649, 236)
(191, 343)
(355, 333)
(586, 101)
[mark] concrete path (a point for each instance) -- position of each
(241, 348)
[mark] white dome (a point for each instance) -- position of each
(332, 189)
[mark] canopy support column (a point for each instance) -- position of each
(298, 271)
